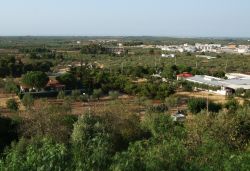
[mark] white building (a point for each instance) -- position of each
(181, 50)
(227, 86)
(243, 49)
(237, 76)
(208, 47)
(168, 55)
(191, 49)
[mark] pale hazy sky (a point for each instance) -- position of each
(195, 18)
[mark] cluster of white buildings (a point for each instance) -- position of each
(198, 47)
(177, 48)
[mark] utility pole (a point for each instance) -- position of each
(81, 69)
(196, 62)
(155, 61)
(207, 105)
(122, 68)
(226, 65)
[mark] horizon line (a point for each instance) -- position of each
(122, 36)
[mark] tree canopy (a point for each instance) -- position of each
(36, 79)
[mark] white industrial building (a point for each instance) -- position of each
(228, 86)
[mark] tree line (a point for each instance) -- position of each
(13, 67)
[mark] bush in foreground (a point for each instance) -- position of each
(12, 105)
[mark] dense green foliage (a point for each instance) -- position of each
(38, 155)
(36, 79)
(68, 80)
(217, 142)
(10, 66)
(93, 49)
(195, 105)
(95, 80)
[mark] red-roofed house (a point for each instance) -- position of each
(51, 85)
(55, 85)
(184, 75)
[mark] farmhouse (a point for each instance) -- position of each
(52, 85)
(227, 86)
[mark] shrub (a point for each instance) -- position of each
(161, 108)
(97, 93)
(239, 92)
(61, 95)
(11, 87)
(113, 94)
(214, 107)
(247, 94)
(187, 86)
(195, 105)
(84, 98)
(232, 105)
(27, 100)
(172, 101)
(12, 105)
(246, 103)
(75, 94)
(2, 83)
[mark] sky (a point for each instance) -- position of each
(174, 18)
